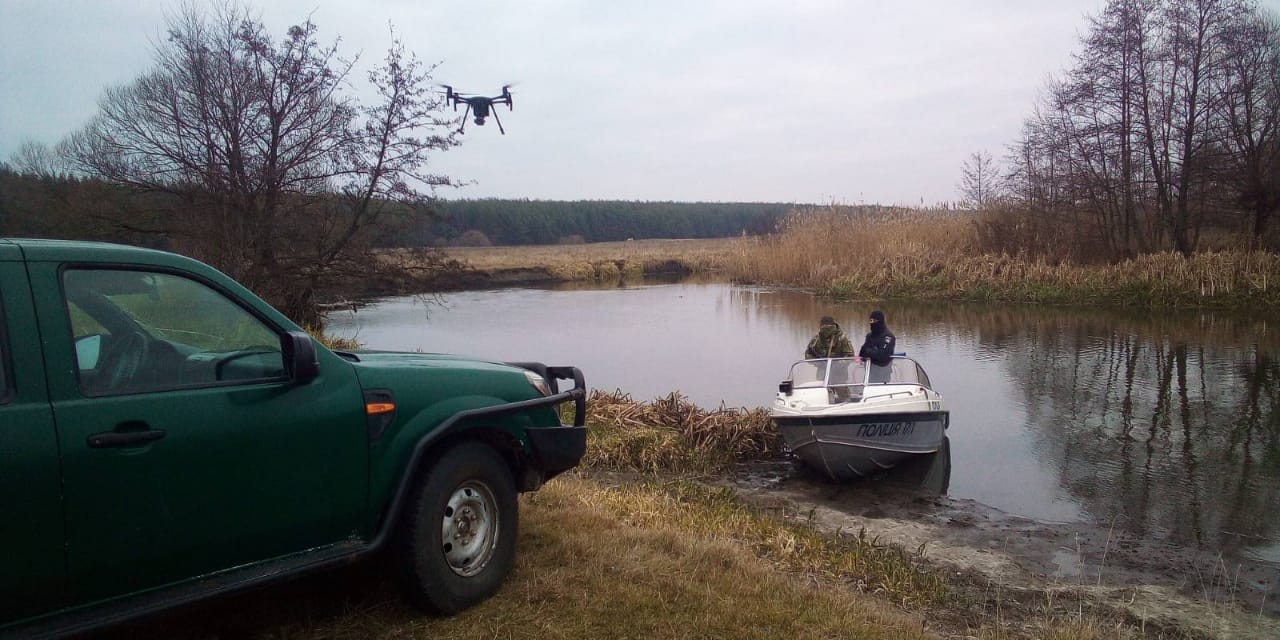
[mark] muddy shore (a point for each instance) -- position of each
(1014, 566)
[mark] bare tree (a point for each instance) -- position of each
(979, 180)
(1099, 101)
(1192, 54)
(1165, 113)
(1250, 115)
(34, 158)
(257, 159)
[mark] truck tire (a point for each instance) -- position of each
(458, 538)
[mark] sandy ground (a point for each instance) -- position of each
(1032, 566)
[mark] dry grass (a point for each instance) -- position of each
(692, 511)
(674, 435)
(816, 246)
(601, 260)
(648, 559)
(336, 343)
(636, 561)
(933, 255)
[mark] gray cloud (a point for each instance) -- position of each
(809, 101)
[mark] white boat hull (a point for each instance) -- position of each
(854, 446)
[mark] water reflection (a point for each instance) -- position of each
(1172, 433)
(1164, 424)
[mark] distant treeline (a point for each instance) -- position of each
(60, 206)
(32, 205)
(514, 222)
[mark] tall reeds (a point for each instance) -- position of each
(845, 253)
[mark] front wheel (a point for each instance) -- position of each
(459, 537)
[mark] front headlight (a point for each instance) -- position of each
(538, 382)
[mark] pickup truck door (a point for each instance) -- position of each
(32, 565)
(186, 448)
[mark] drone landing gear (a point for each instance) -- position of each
(480, 120)
(466, 113)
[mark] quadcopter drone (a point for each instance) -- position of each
(481, 106)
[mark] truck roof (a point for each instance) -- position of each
(42, 249)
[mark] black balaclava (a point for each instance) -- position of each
(878, 327)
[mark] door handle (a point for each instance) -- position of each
(108, 439)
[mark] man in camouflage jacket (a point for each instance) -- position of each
(830, 341)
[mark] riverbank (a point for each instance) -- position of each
(601, 261)
(1018, 572)
(894, 258)
(757, 550)
(621, 555)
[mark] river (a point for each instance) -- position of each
(1161, 424)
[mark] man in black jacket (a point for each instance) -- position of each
(879, 347)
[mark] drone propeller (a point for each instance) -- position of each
(449, 93)
(506, 96)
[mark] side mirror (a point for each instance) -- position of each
(300, 357)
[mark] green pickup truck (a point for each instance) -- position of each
(166, 436)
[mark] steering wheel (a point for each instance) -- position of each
(120, 365)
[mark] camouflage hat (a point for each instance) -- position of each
(827, 320)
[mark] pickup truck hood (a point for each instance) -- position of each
(439, 375)
(399, 359)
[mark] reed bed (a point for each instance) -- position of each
(672, 434)
(937, 255)
(1218, 280)
(817, 245)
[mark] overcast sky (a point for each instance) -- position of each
(738, 100)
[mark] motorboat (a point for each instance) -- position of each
(849, 418)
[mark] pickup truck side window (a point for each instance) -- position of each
(4, 365)
(5, 391)
(141, 331)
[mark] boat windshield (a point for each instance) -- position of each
(853, 371)
(828, 372)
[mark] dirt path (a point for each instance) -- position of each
(1029, 562)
